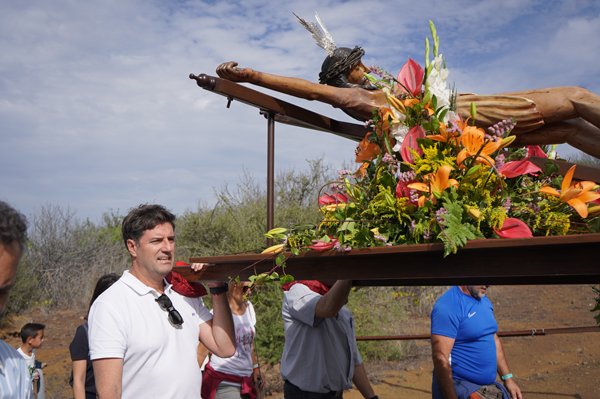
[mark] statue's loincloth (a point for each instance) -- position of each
(495, 108)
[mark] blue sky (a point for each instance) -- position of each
(97, 112)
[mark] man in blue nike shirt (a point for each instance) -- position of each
(467, 353)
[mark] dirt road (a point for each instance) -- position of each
(553, 366)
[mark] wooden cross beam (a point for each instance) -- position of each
(539, 260)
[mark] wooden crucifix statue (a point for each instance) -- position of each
(544, 116)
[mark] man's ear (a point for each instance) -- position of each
(131, 247)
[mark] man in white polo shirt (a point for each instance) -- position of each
(15, 380)
(143, 334)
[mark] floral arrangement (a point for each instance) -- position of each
(426, 175)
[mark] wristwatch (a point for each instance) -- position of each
(218, 290)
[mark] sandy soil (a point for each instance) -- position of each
(546, 366)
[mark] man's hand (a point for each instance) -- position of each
(513, 389)
(199, 267)
(258, 380)
(230, 71)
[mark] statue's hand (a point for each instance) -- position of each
(230, 71)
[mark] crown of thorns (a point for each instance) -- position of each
(324, 40)
(342, 65)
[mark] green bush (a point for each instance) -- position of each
(378, 318)
(269, 324)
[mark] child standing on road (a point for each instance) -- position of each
(32, 336)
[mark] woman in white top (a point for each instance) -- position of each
(236, 377)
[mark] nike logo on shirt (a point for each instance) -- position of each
(471, 314)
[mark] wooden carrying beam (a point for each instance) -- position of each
(538, 260)
(284, 112)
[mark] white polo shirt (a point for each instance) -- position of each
(159, 360)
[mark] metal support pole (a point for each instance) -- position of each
(270, 173)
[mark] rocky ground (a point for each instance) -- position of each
(546, 366)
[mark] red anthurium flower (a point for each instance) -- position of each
(513, 228)
(517, 168)
(411, 76)
(327, 199)
(597, 200)
(322, 246)
(341, 197)
(410, 141)
(403, 191)
(535, 151)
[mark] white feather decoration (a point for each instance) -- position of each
(320, 33)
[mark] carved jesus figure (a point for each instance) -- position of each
(544, 116)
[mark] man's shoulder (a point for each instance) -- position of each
(447, 298)
(6, 350)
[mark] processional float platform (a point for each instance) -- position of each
(569, 259)
(572, 259)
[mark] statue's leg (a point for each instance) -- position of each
(587, 105)
(576, 132)
(557, 104)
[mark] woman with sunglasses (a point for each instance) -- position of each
(236, 377)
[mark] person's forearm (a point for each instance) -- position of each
(202, 353)
(443, 375)
(222, 327)
(108, 374)
(502, 364)
(78, 390)
(79, 370)
(361, 381)
(330, 304)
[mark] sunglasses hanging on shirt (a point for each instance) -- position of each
(165, 304)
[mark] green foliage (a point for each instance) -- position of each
(597, 307)
(269, 324)
(64, 258)
(384, 322)
(237, 222)
(456, 231)
(24, 294)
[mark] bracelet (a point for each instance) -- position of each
(218, 290)
(375, 397)
(255, 366)
(506, 376)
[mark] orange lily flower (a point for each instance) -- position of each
(436, 184)
(366, 150)
(577, 194)
(445, 136)
(362, 171)
(410, 102)
(473, 141)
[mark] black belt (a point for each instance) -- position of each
(293, 389)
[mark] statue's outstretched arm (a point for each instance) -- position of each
(356, 101)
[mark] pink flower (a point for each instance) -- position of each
(321, 246)
(403, 191)
(513, 228)
(535, 151)
(517, 168)
(331, 199)
(411, 77)
(410, 142)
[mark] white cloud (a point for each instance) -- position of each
(97, 111)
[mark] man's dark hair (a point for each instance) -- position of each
(144, 217)
(335, 68)
(102, 285)
(30, 330)
(13, 226)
